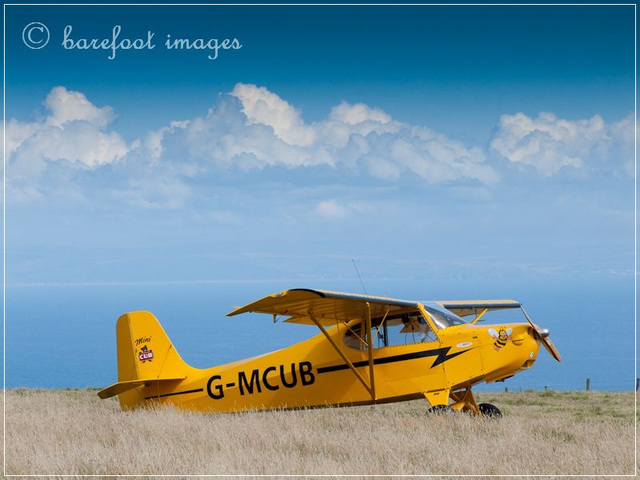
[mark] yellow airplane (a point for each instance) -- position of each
(369, 350)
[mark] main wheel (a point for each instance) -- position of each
(439, 410)
(490, 411)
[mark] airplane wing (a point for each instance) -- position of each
(463, 308)
(326, 306)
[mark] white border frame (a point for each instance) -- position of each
(4, 206)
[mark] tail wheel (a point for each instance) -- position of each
(490, 411)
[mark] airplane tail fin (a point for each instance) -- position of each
(147, 360)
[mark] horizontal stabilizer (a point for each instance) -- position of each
(121, 387)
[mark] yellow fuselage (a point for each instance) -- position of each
(312, 373)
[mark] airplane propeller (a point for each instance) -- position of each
(542, 336)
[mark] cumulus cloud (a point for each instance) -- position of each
(358, 114)
(437, 159)
(227, 138)
(623, 140)
(250, 128)
(253, 128)
(73, 131)
(549, 143)
(66, 106)
(266, 108)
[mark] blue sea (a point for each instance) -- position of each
(64, 336)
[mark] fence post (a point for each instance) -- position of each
(506, 389)
(588, 383)
(637, 383)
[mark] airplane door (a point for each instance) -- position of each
(407, 357)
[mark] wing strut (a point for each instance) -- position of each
(370, 351)
(479, 316)
(344, 357)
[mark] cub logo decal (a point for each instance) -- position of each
(145, 354)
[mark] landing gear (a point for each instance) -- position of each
(439, 410)
(463, 401)
(490, 411)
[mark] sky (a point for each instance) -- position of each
(425, 142)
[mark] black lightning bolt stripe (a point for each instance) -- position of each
(175, 393)
(440, 353)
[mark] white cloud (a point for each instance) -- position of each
(623, 138)
(358, 113)
(152, 142)
(75, 142)
(254, 128)
(332, 210)
(72, 131)
(66, 106)
(382, 168)
(72, 134)
(266, 108)
(549, 143)
(438, 159)
(17, 133)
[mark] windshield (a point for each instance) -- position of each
(443, 318)
(391, 330)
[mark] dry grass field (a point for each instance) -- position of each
(73, 432)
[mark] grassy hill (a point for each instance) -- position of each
(73, 432)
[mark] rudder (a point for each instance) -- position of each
(144, 349)
(146, 357)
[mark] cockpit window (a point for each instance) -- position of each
(392, 330)
(443, 318)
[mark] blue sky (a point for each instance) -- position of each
(425, 142)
